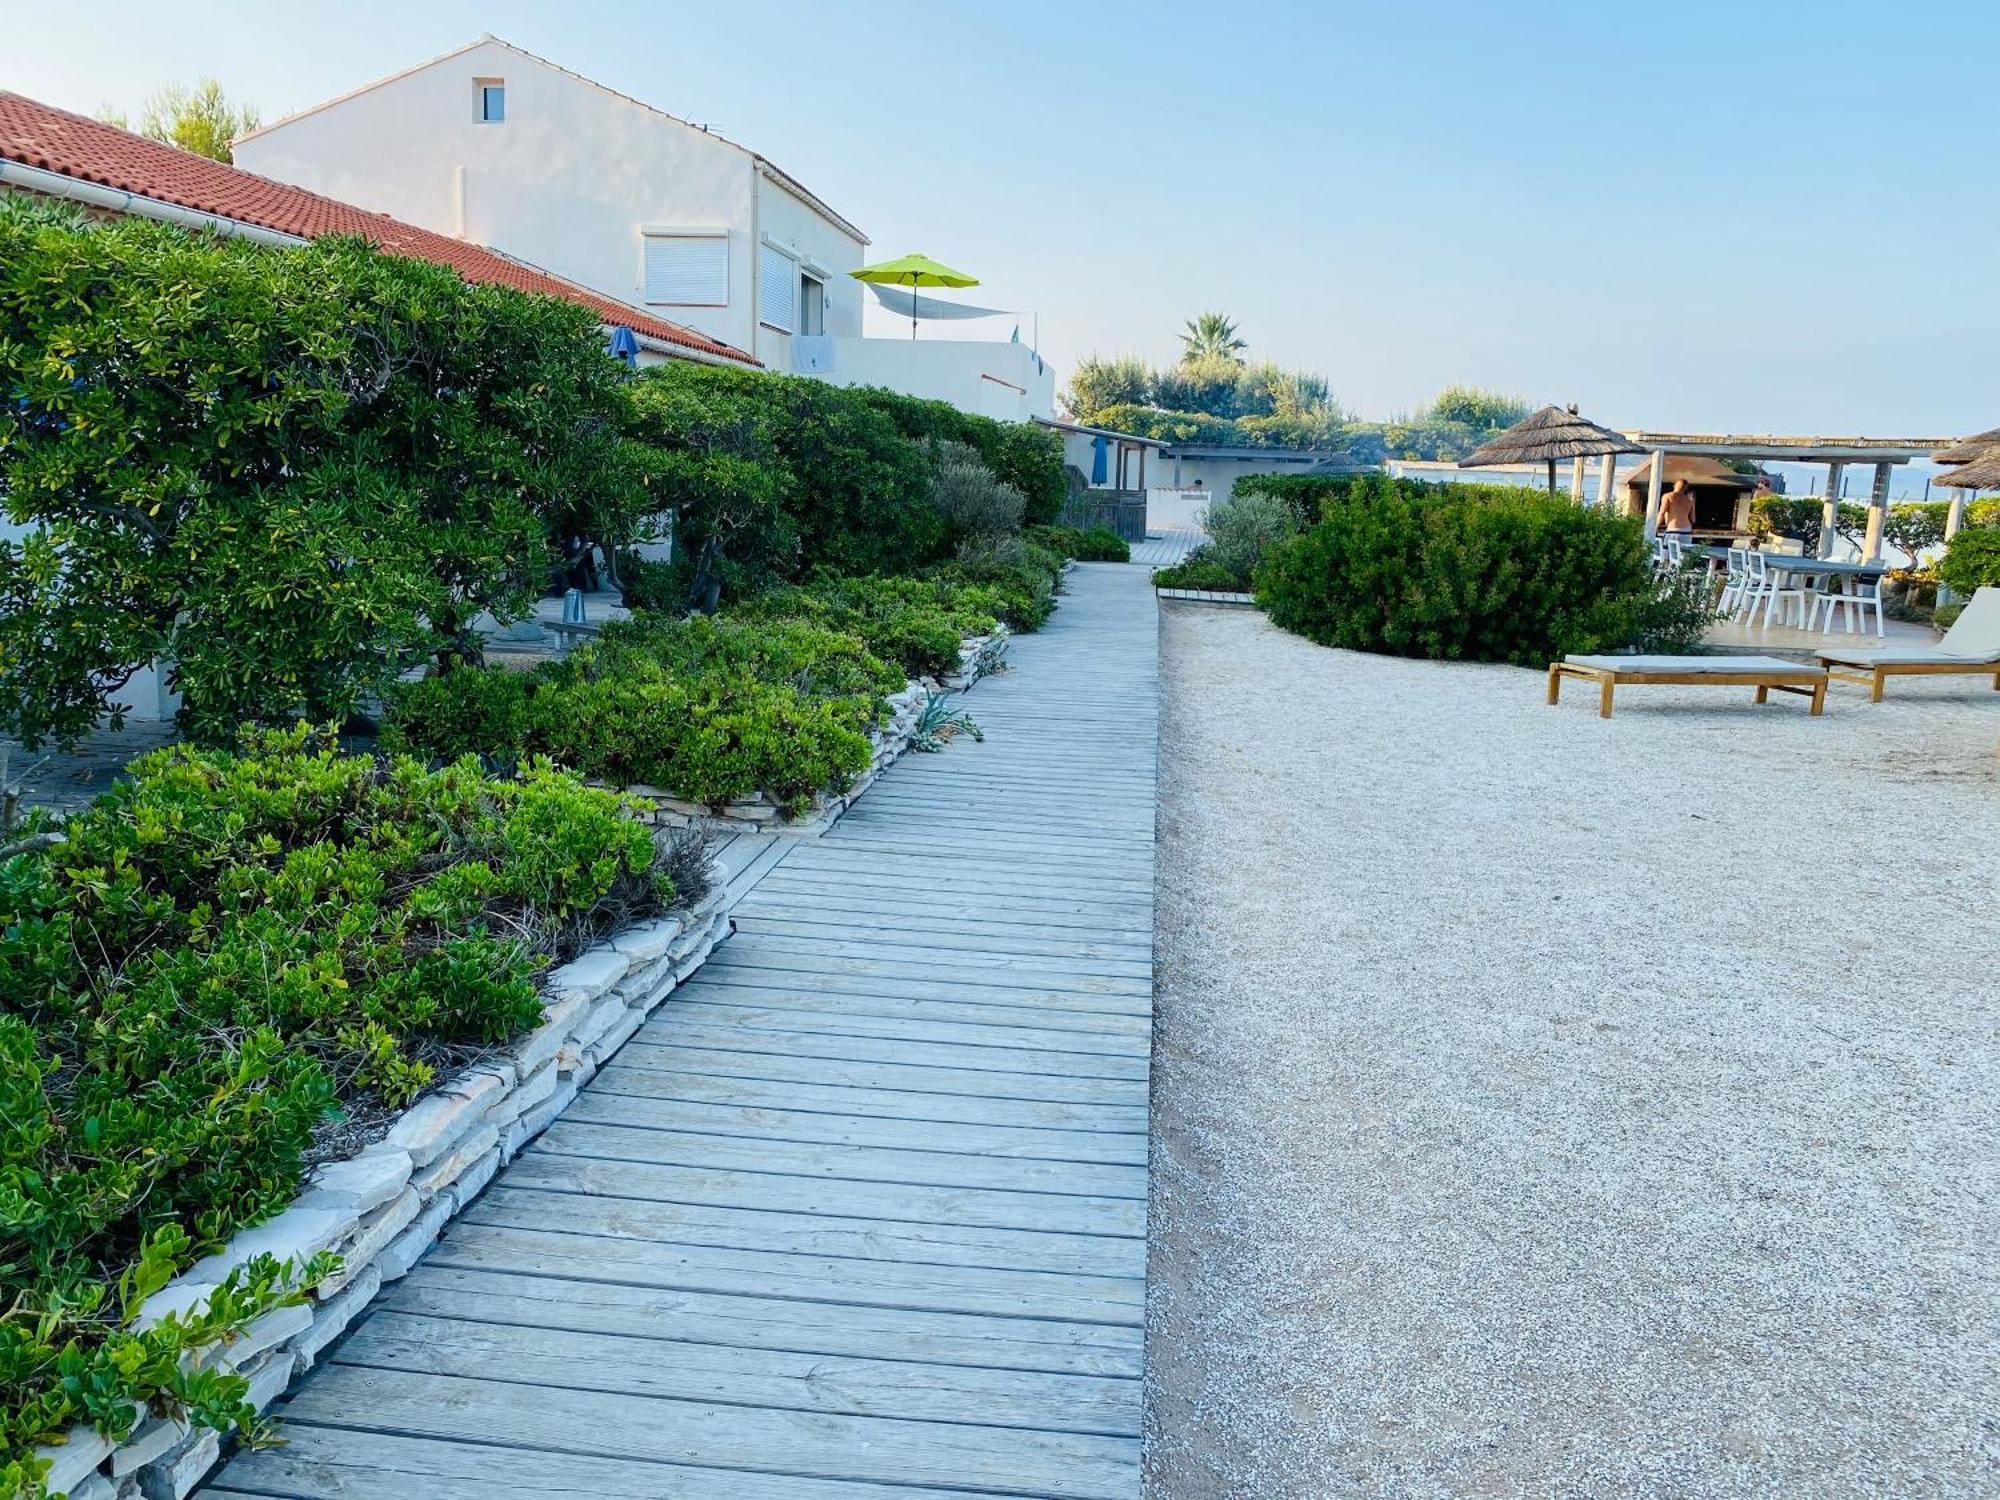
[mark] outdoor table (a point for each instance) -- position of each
(1785, 562)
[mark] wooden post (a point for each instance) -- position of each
(1878, 512)
(1576, 480)
(1829, 509)
(1653, 487)
(1607, 475)
(1142, 471)
(1954, 514)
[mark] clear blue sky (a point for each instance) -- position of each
(1699, 216)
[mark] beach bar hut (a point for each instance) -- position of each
(1721, 495)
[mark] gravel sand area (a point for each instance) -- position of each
(1552, 1107)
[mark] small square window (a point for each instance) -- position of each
(489, 100)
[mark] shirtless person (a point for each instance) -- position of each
(1677, 513)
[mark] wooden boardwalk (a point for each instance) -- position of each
(861, 1213)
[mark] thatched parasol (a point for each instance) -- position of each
(1979, 472)
(1551, 434)
(1967, 449)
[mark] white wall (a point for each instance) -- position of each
(992, 380)
(567, 181)
(790, 223)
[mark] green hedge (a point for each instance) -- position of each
(916, 623)
(711, 710)
(295, 473)
(1511, 576)
(1085, 544)
(227, 950)
(778, 476)
(1972, 561)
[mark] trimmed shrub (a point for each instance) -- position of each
(1089, 544)
(1197, 572)
(1972, 561)
(227, 951)
(916, 623)
(293, 473)
(1514, 576)
(713, 711)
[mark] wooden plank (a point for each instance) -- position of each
(339, 1463)
(699, 1371)
(609, 1132)
(620, 1076)
(736, 1005)
(644, 1052)
(943, 937)
(993, 1141)
(752, 1322)
(561, 1195)
(786, 970)
(1063, 1466)
(605, 1159)
(913, 1285)
(1098, 976)
(717, 1028)
(1092, 1028)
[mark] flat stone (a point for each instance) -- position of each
(374, 1235)
(642, 984)
(432, 1125)
(83, 1448)
(525, 1096)
(407, 1248)
(330, 1319)
(443, 1172)
(96, 1487)
(265, 1333)
(472, 1181)
(541, 1044)
(172, 1477)
(268, 1378)
(360, 1183)
(608, 1044)
(536, 1120)
(646, 941)
(479, 1081)
(599, 1019)
(148, 1441)
(297, 1234)
(178, 1297)
(589, 975)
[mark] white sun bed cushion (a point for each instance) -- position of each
(1691, 664)
(1910, 656)
(1973, 641)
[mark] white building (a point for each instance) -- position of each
(497, 146)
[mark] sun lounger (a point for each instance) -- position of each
(1971, 646)
(1761, 672)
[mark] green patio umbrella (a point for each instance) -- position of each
(913, 271)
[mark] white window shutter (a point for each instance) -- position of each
(777, 288)
(687, 270)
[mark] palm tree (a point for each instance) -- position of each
(1211, 336)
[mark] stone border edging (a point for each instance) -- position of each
(1205, 596)
(382, 1208)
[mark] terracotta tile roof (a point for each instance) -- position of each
(39, 135)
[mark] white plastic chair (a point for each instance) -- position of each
(1769, 591)
(1735, 582)
(1860, 596)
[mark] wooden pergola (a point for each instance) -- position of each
(1837, 453)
